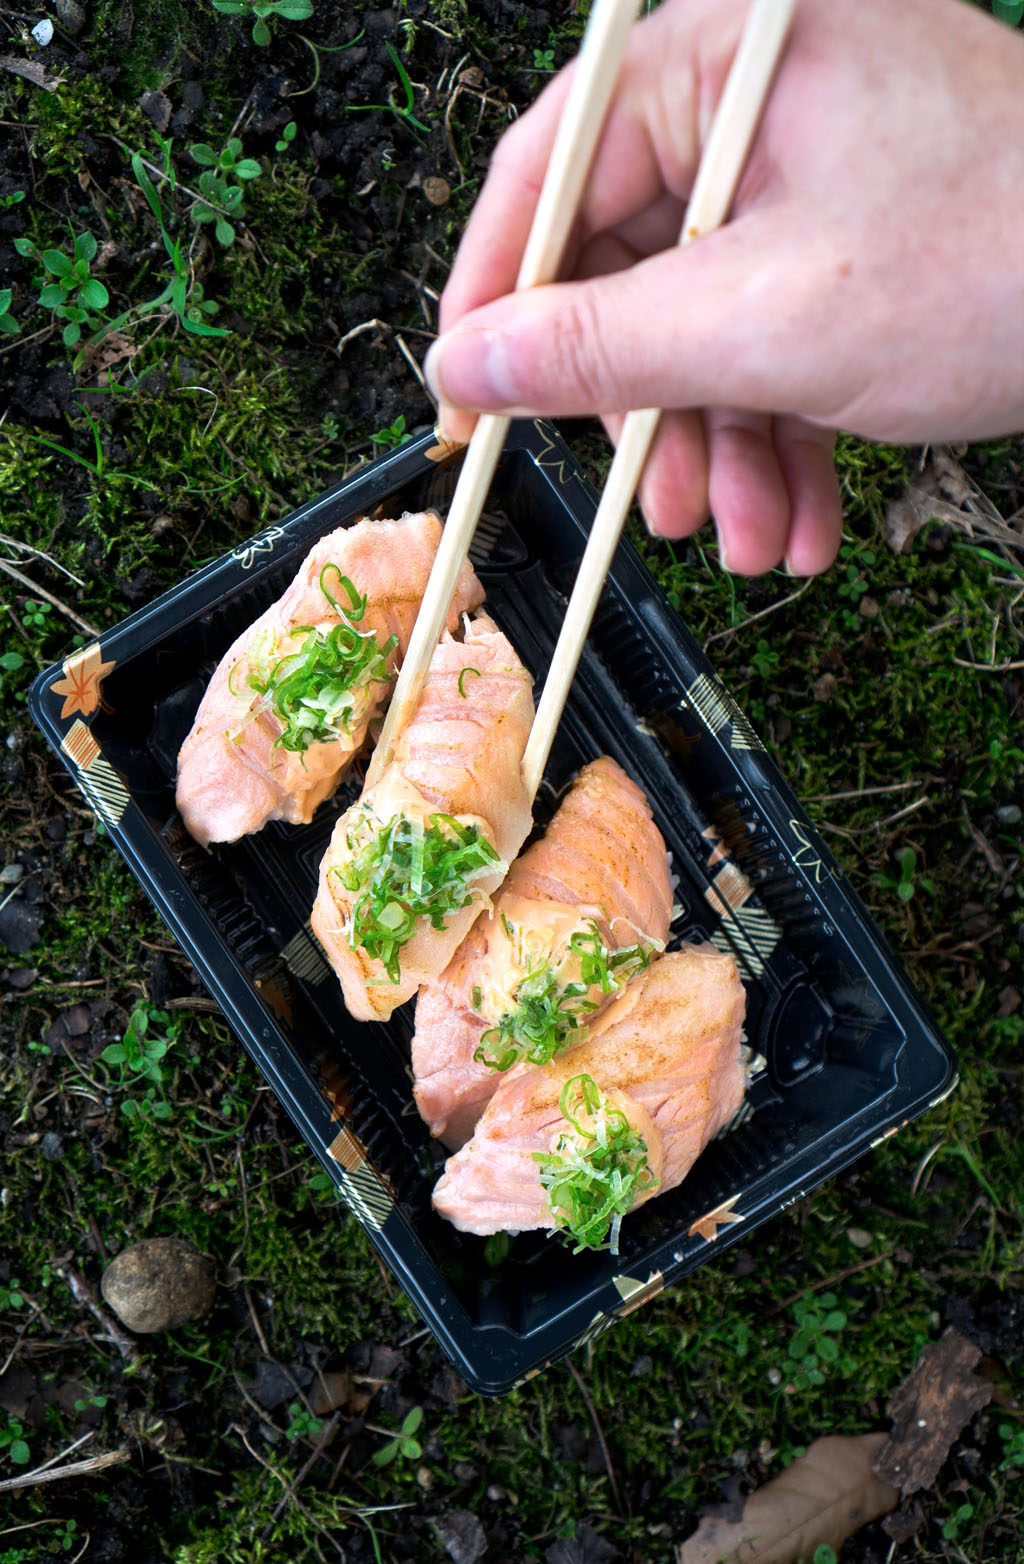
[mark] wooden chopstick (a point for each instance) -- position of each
(721, 165)
(597, 68)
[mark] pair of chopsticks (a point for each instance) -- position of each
(721, 164)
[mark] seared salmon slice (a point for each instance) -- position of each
(290, 702)
(582, 911)
(665, 1057)
(411, 865)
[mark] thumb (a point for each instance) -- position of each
(701, 325)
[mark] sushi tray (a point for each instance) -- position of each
(840, 1051)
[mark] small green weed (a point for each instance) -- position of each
(73, 295)
(11, 1296)
(8, 325)
(138, 1057)
(37, 615)
(402, 111)
(13, 1441)
(905, 884)
(1012, 1435)
(853, 586)
(301, 1423)
(543, 59)
(953, 1525)
(1008, 10)
(7, 201)
(403, 1443)
(286, 137)
(10, 662)
(765, 659)
(263, 12)
(814, 1348)
(84, 1402)
(218, 184)
(396, 434)
(182, 297)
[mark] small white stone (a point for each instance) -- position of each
(42, 32)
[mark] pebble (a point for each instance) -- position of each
(11, 873)
(70, 15)
(1009, 814)
(437, 191)
(42, 32)
(51, 1147)
(158, 1284)
(859, 1237)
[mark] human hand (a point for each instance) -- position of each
(870, 278)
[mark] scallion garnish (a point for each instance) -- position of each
(551, 1007)
(597, 1169)
(462, 676)
(317, 690)
(404, 871)
(356, 601)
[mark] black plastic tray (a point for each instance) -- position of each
(844, 1051)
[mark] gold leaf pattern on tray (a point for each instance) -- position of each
(707, 1226)
(362, 1188)
(81, 686)
(98, 780)
(716, 707)
(634, 1292)
(444, 450)
(304, 956)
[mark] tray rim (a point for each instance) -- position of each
(474, 1348)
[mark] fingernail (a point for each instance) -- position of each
(470, 368)
(722, 561)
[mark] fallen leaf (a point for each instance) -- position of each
(824, 1497)
(462, 1535)
(905, 516)
(937, 1398)
(31, 70)
(331, 1389)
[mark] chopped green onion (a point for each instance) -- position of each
(318, 690)
(357, 603)
(462, 676)
(597, 1169)
(405, 871)
(549, 1011)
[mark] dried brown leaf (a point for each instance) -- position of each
(330, 1390)
(824, 1497)
(937, 1398)
(31, 70)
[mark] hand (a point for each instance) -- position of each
(871, 277)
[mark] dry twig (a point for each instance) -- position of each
(599, 1431)
(40, 591)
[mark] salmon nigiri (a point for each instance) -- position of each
(290, 702)
(575, 1144)
(413, 862)
(580, 913)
